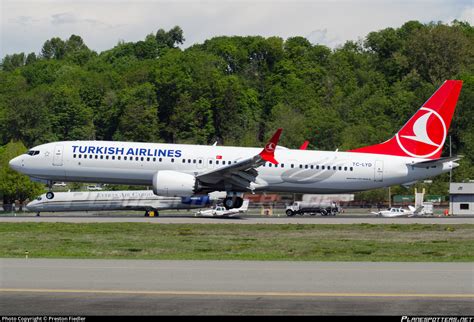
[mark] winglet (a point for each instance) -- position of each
(268, 152)
(304, 145)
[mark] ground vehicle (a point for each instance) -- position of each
(301, 208)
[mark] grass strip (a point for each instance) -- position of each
(351, 242)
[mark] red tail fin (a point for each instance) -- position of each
(423, 136)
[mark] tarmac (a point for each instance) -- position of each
(83, 217)
(149, 287)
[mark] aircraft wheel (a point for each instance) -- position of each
(50, 195)
(229, 203)
(238, 202)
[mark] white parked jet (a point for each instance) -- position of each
(414, 153)
(114, 200)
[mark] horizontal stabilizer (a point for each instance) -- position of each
(439, 161)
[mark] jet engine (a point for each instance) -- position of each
(173, 184)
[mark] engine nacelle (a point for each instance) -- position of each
(173, 184)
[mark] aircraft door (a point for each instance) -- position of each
(210, 163)
(378, 171)
(200, 163)
(58, 155)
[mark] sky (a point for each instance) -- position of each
(26, 24)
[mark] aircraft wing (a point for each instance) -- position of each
(242, 173)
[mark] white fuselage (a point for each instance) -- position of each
(300, 171)
(114, 200)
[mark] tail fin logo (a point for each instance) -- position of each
(270, 147)
(424, 134)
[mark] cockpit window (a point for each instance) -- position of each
(33, 152)
(39, 198)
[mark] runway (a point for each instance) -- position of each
(342, 219)
(82, 287)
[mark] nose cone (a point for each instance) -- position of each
(15, 163)
(31, 206)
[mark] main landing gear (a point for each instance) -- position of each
(233, 201)
(50, 193)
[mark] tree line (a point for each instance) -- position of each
(238, 90)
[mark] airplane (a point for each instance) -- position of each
(221, 211)
(115, 200)
(412, 154)
(399, 212)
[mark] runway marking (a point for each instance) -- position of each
(230, 293)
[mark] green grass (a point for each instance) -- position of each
(358, 242)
